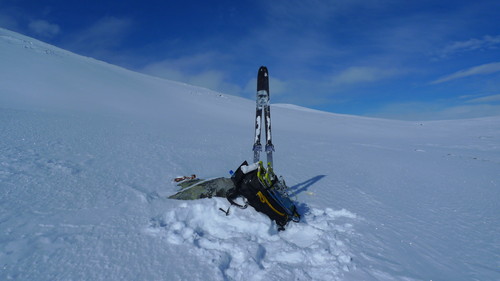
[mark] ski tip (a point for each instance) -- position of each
(263, 79)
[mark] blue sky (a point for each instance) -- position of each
(394, 59)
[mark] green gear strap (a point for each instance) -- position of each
(269, 175)
(261, 173)
(266, 176)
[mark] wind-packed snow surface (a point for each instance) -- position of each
(88, 151)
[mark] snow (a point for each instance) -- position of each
(88, 151)
(245, 242)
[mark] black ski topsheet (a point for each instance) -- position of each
(263, 79)
(263, 112)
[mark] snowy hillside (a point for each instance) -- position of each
(88, 151)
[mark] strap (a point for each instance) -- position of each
(231, 195)
(263, 199)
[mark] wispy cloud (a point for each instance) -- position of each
(487, 42)
(196, 70)
(486, 99)
(346, 55)
(483, 69)
(44, 28)
(277, 87)
(100, 37)
(363, 74)
(298, 12)
(8, 21)
(421, 111)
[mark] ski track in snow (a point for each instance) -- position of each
(246, 245)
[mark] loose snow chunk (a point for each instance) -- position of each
(341, 213)
(247, 241)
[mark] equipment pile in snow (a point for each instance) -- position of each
(193, 189)
(259, 186)
(264, 192)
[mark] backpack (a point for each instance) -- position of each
(264, 192)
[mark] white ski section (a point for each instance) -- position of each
(258, 129)
(262, 98)
(88, 151)
(268, 129)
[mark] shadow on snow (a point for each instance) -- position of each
(304, 186)
(295, 190)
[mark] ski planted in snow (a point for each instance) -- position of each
(263, 111)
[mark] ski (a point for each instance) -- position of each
(257, 146)
(263, 111)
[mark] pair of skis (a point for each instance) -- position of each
(263, 111)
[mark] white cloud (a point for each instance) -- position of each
(360, 74)
(420, 111)
(299, 12)
(483, 69)
(98, 38)
(9, 22)
(211, 79)
(486, 43)
(194, 70)
(44, 28)
(180, 69)
(486, 99)
(469, 111)
(277, 87)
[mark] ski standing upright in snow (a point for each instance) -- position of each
(263, 111)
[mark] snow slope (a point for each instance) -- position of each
(88, 151)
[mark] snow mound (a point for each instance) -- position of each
(246, 245)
